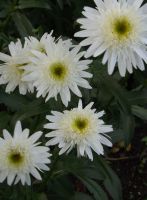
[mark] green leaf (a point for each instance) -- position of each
(3, 13)
(118, 92)
(33, 4)
(94, 188)
(4, 120)
(87, 172)
(117, 135)
(63, 187)
(127, 124)
(139, 112)
(42, 196)
(138, 97)
(112, 182)
(22, 24)
(13, 101)
(91, 173)
(60, 2)
(122, 104)
(37, 107)
(144, 139)
(82, 167)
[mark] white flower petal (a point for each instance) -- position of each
(18, 129)
(6, 135)
(10, 178)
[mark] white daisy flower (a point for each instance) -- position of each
(58, 71)
(21, 156)
(11, 69)
(117, 28)
(34, 44)
(79, 127)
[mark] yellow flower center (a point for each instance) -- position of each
(58, 71)
(80, 125)
(20, 70)
(16, 158)
(42, 50)
(122, 28)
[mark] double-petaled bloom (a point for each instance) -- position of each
(57, 70)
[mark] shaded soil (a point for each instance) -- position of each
(131, 166)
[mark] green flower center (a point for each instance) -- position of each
(122, 27)
(58, 71)
(20, 70)
(80, 125)
(42, 50)
(16, 158)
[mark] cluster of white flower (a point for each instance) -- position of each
(50, 66)
(117, 28)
